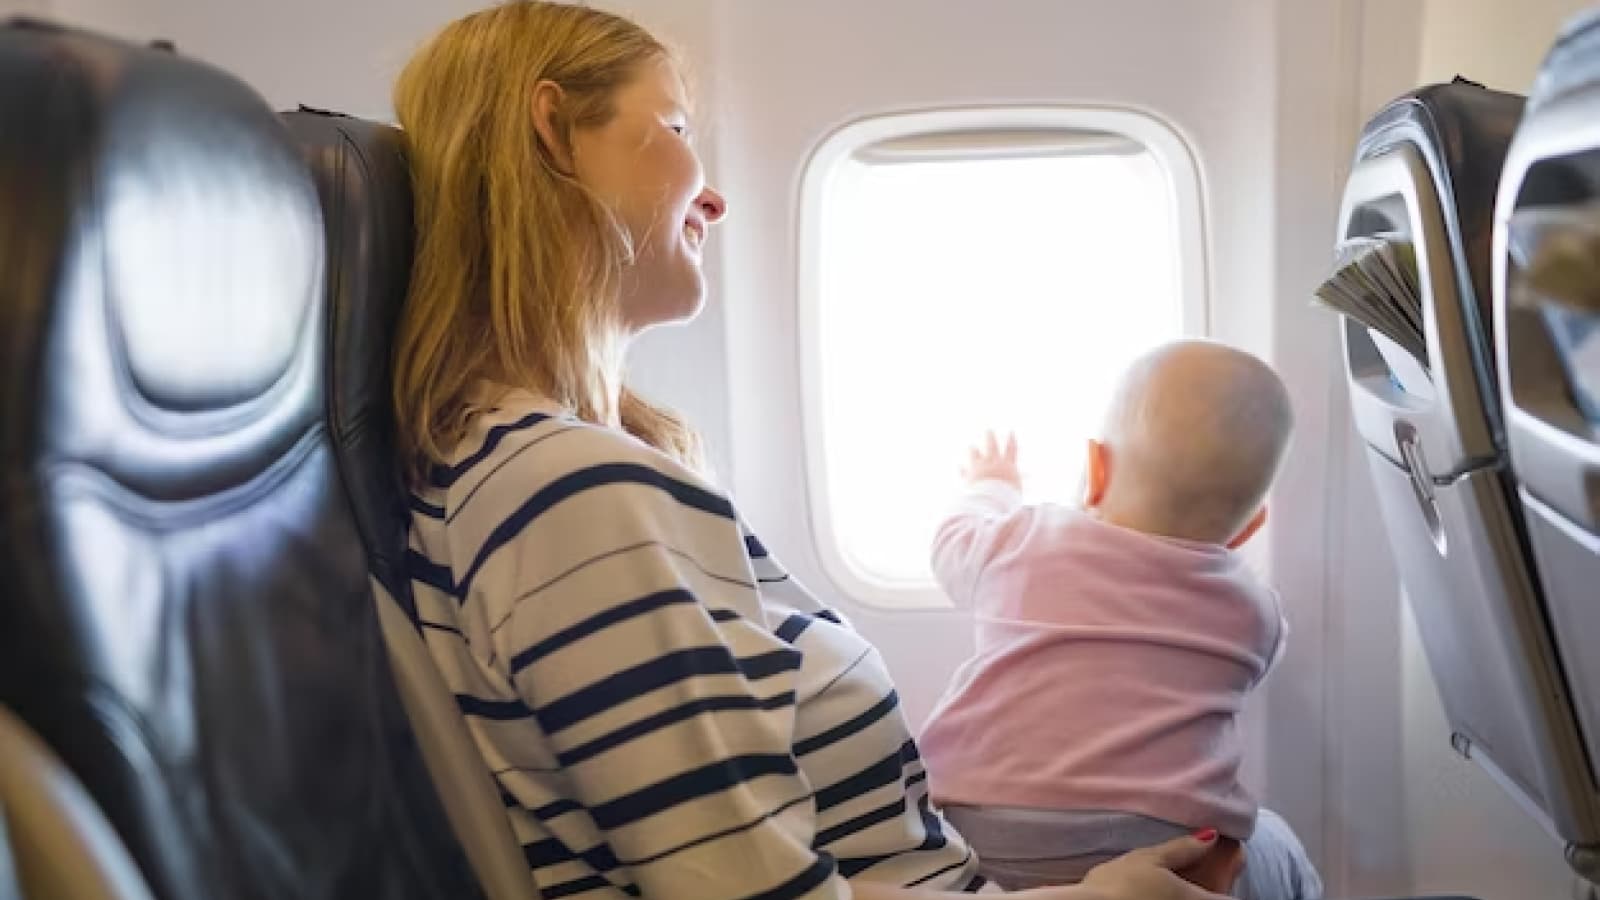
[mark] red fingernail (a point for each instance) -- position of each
(1206, 835)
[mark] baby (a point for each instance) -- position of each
(1116, 644)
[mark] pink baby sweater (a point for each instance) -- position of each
(1111, 666)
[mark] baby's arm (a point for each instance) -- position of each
(1280, 637)
(981, 522)
(1283, 639)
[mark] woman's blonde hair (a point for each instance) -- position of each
(518, 266)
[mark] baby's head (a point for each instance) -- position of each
(1193, 440)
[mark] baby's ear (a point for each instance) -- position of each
(1250, 528)
(1096, 474)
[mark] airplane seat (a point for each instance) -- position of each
(54, 841)
(1546, 281)
(1426, 170)
(364, 182)
(185, 614)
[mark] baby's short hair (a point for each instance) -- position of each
(1197, 431)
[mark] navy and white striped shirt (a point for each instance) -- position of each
(667, 712)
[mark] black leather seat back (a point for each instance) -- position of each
(185, 614)
(363, 177)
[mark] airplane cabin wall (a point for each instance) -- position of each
(1493, 42)
(1335, 716)
(127, 18)
(790, 74)
(23, 8)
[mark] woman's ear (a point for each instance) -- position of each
(1250, 528)
(547, 100)
(1097, 474)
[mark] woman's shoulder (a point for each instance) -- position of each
(524, 443)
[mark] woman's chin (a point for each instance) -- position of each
(665, 313)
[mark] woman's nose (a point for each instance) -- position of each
(712, 205)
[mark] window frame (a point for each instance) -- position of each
(1164, 144)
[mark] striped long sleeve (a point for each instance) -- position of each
(594, 609)
(874, 812)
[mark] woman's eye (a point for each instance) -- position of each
(679, 129)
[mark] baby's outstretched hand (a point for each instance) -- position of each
(991, 460)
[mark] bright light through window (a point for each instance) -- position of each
(955, 295)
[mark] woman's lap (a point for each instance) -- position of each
(1032, 848)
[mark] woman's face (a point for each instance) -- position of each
(642, 165)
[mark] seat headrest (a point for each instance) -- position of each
(361, 171)
(164, 257)
(1572, 63)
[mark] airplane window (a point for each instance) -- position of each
(997, 279)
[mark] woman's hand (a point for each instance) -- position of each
(1218, 869)
(1147, 874)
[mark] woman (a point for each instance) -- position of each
(667, 713)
